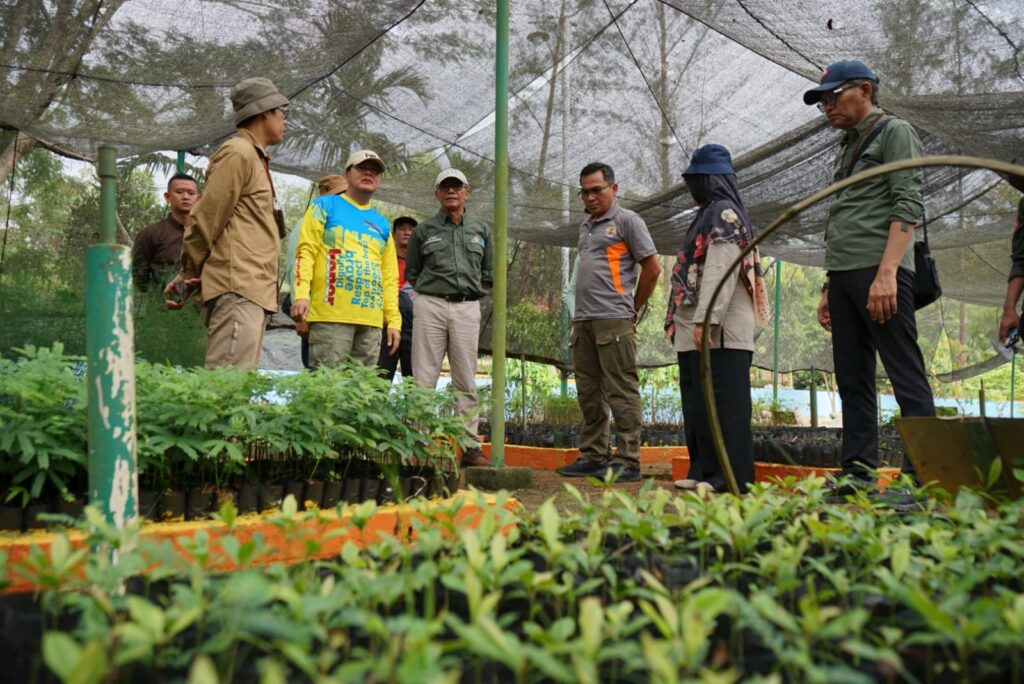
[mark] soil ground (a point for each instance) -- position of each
(549, 484)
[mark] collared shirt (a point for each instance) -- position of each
(345, 264)
(610, 248)
(231, 239)
(450, 259)
(1017, 253)
(156, 252)
(859, 217)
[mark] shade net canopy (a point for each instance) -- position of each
(637, 84)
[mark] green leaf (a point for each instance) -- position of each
(203, 671)
(900, 558)
(150, 617)
(92, 666)
(61, 653)
(289, 506)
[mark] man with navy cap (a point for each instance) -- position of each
(867, 300)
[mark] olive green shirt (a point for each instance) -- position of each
(859, 217)
(448, 259)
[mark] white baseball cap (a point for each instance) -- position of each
(364, 155)
(451, 173)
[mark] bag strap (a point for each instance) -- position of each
(869, 136)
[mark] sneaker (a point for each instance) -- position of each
(474, 458)
(624, 472)
(841, 489)
(687, 484)
(706, 487)
(585, 467)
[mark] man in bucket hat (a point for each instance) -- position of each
(346, 275)
(233, 236)
(867, 300)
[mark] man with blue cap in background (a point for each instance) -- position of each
(867, 300)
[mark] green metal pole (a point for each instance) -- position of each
(814, 399)
(522, 388)
(181, 161)
(778, 302)
(500, 234)
(110, 355)
(1013, 379)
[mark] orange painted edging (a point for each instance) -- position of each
(764, 472)
(283, 540)
(543, 458)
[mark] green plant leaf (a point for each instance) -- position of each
(203, 671)
(61, 653)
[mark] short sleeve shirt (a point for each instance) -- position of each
(610, 248)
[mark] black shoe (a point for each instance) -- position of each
(900, 500)
(585, 467)
(623, 472)
(838, 491)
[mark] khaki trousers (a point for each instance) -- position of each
(234, 331)
(452, 327)
(604, 358)
(331, 344)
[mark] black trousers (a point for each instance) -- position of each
(855, 340)
(389, 362)
(730, 374)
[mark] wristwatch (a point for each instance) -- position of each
(824, 286)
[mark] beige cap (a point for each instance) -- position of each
(254, 96)
(451, 173)
(361, 156)
(332, 185)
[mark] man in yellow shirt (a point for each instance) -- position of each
(346, 273)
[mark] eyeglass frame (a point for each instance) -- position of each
(592, 192)
(833, 95)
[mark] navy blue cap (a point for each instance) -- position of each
(836, 75)
(710, 159)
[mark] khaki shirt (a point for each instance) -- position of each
(231, 239)
(732, 319)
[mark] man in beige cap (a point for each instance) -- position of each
(346, 275)
(233, 236)
(449, 262)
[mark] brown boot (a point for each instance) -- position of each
(474, 457)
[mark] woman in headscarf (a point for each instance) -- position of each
(719, 232)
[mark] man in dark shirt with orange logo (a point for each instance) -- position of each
(157, 248)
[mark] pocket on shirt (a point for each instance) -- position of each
(476, 254)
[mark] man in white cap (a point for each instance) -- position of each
(449, 263)
(346, 274)
(232, 240)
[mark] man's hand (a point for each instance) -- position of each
(300, 309)
(1007, 322)
(180, 287)
(882, 297)
(824, 317)
(394, 340)
(698, 336)
(302, 329)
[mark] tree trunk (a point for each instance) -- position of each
(25, 144)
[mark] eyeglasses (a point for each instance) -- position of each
(453, 185)
(829, 99)
(593, 192)
(284, 111)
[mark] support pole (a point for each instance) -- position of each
(814, 398)
(522, 389)
(110, 355)
(1013, 379)
(500, 235)
(181, 161)
(775, 356)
